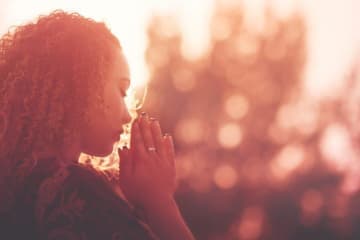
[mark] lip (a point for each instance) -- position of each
(117, 135)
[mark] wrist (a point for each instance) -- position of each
(165, 219)
(156, 208)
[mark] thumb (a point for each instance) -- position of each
(125, 163)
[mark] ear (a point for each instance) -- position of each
(3, 124)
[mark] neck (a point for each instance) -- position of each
(65, 155)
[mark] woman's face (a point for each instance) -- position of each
(99, 135)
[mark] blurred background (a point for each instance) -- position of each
(262, 98)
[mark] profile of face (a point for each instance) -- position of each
(99, 135)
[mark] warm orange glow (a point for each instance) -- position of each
(236, 106)
(247, 45)
(351, 182)
(302, 116)
(221, 30)
(338, 206)
(184, 167)
(129, 20)
(336, 148)
(184, 80)
(249, 119)
(225, 177)
(287, 116)
(190, 130)
(230, 135)
(311, 202)
(111, 162)
(201, 183)
(288, 160)
(251, 224)
(277, 134)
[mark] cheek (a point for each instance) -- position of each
(114, 112)
(96, 129)
(96, 138)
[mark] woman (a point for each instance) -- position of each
(62, 84)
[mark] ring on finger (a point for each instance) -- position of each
(151, 149)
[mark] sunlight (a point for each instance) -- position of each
(336, 148)
(262, 104)
(128, 21)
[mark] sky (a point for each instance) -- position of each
(333, 30)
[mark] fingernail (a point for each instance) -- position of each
(144, 117)
(157, 123)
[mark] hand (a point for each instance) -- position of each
(147, 171)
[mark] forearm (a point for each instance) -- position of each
(166, 220)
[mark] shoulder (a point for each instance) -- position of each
(79, 200)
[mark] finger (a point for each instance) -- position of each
(146, 132)
(126, 165)
(169, 149)
(136, 140)
(158, 138)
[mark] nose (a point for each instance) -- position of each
(127, 117)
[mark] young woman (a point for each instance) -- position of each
(63, 80)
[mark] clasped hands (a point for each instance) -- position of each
(147, 170)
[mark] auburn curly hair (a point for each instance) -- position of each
(51, 71)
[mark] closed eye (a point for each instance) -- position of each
(124, 85)
(123, 93)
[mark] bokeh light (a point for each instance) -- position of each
(262, 98)
(251, 224)
(225, 177)
(230, 135)
(311, 204)
(190, 131)
(287, 161)
(236, 106)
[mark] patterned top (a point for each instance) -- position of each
(68, 203)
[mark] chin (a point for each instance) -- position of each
(104, 152)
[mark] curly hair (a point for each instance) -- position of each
(51, 72)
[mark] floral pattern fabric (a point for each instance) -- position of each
(73, 202)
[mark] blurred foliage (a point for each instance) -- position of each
(257, 159)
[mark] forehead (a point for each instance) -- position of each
(121, 70)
